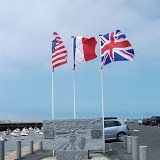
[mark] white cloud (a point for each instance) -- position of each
(27, 26)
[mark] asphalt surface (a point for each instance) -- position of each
(147, 135)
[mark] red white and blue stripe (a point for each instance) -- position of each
(59, 53)
(84, 49)
(115, 47)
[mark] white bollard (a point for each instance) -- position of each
(18, 149)
(125, 141)
(135, 148)
(31, 147)
(54, 153)
(143, 152)
(1, 150)
(129, 144)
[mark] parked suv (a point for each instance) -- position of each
(155, 120)
(115, 129)
(146, 121)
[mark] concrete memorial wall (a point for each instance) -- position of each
(73, 137)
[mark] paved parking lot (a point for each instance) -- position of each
(147, 135)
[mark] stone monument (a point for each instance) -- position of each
(72, 138)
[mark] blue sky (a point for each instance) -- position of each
(131, 89)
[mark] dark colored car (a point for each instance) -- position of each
(155, 121)
(146, 121)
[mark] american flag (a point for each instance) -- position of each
(59, 53)
(115, 47)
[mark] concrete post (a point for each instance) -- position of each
(135, 148)
(143, 152)
(1, 150)
(129, 144)
(18, 149)
(40, 147)
(125, 141)
(54, 153)
(30, 147)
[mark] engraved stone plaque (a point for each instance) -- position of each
(72, 155)
(48, 130)
(73, 134)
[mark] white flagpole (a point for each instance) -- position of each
(102, 109)
(74, 85)
(53, 95)
(102, 93)
(74, 92)
(53, 115)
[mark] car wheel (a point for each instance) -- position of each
(120, 136)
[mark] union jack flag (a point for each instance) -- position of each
(115, 47)
(59, 53)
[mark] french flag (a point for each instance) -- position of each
(84, 49)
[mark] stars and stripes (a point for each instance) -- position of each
(115, 47)
(59, 53)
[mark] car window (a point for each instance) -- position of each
(107, 124)
(153, 118)
(111, 123)
(116, 123)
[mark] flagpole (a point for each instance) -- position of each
(53, 95)
(53, 116)
(102, 108)
(74, 92)
(102, 93)
(74, 84)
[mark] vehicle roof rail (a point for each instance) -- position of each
(110, 118)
